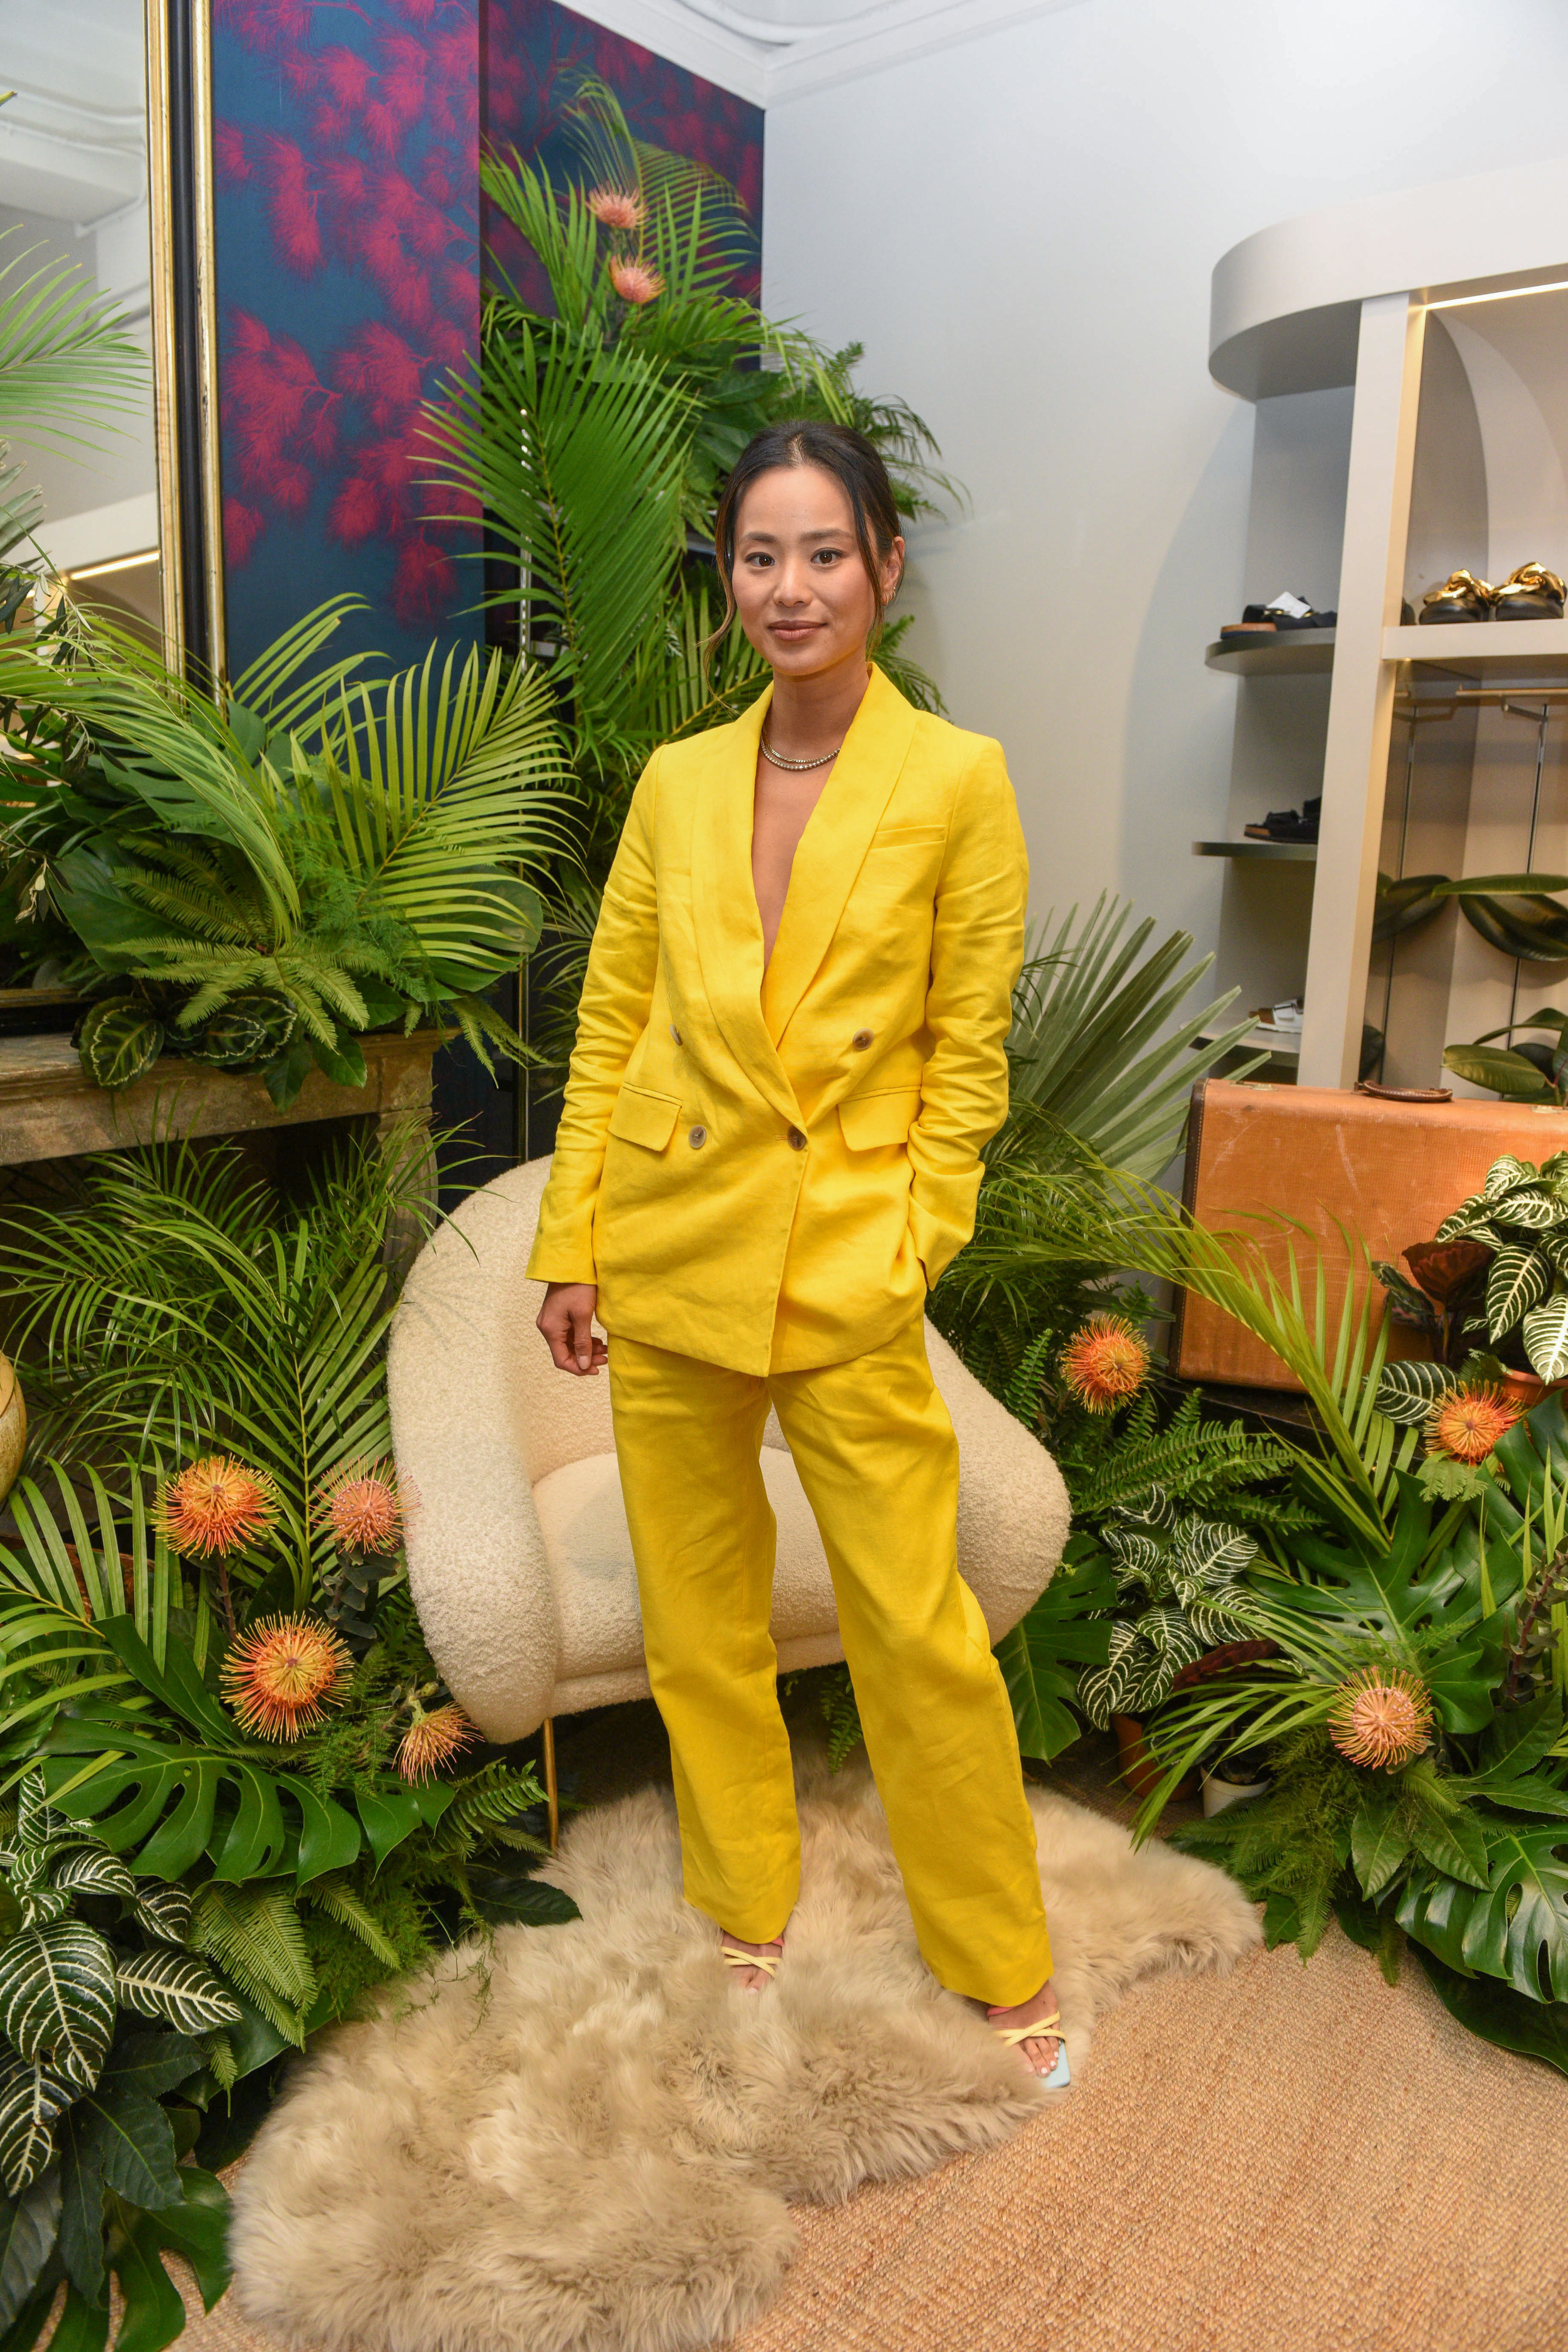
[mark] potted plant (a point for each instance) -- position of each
(1495, 1275)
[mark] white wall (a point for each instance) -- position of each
(1021, 231)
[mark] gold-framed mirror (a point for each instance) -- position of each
(105, 145)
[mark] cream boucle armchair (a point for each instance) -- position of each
(519, 1558)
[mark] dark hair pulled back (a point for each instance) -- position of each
(855, 464)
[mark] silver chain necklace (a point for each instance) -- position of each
(798, 767)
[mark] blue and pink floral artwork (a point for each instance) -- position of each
(347, 145)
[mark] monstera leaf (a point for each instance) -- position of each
(1516, 1927)
(1060, 1628)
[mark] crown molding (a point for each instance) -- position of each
(764, 62)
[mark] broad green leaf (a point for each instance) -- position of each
(255, 1845)
(152, 2064)
(82, 2208)
(1546, 1336)
(128, 2136)
(196, 2228)
(1451, 1841)
(388, 1820)
(1379, 1840)
(1517, 1928)
(1498, 2014)
(1505, 1073)
(154, 2313)
(57, 1998)
(29, 2225)
(1407, 1389)
(1517, 1280)
(329, 1837)
(1045, 1726)
(178, 1987)
(82, 2327)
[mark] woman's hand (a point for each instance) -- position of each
(566, 1320)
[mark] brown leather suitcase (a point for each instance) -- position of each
(1389, 1171)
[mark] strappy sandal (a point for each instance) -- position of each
(733, 1958)
(1044, 2029)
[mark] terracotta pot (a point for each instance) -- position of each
(12, 1427)
(1139, 1769)
(1528, 1389)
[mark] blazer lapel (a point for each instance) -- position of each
(724, 903)
(833, 847)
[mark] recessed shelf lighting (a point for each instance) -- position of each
(1506, 294)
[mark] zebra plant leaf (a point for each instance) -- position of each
(58, 1999)
(29, 2229)
(178, 1987)
(93, 1870)
(31, 2099)
(163, 1911)
(1213, 1549)
(1506, 1172)
(1407, 1392)
(1170, 1633)
(1546, 1336)
(1533, 1211)
(1104, 1691)
(1517, 1280)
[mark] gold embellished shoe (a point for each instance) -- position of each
(1462, 597)
(1531, 594)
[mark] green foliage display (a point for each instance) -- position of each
(297, 860)
(1178, 1581)
(96, 2109)
(176, 1302)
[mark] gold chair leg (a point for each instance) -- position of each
(551, 1790)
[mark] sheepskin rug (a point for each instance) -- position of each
(587, 2138)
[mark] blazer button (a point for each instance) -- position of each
(795, 1141)
(860, 1040)
(698, 1138)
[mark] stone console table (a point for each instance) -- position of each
(49, 1110)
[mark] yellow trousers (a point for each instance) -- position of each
(875, 1453)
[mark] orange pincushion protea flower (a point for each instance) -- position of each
(1382, 1719)
(363, 1506)
(282, 1675)
(216, 1507)
(634, 281)
(1105, 1362)
(1467, 1421)
(432, 1739)
(616, 207)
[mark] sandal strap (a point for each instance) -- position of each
(766, 1961)
(1045, 2028)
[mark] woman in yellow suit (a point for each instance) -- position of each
(789, 1056)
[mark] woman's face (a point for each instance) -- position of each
(801, 586)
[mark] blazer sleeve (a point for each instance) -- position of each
(617, 996)
(977, 948)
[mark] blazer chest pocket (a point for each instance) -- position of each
(645, 1118)
(870, 1120)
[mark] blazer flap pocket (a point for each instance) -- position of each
(905, 836)
(870, 1120)
(645, 1118)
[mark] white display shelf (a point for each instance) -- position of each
(1471, 646)
(1295, 853)
(1295, 653)
(1265, 1041)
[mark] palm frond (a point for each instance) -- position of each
(64, 352)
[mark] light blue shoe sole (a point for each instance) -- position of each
(1060, 2074)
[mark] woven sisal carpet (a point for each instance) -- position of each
(1282, 2160)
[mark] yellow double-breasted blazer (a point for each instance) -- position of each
(768, 1171)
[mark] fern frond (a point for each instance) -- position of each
(254, 1935)
(337, 1900)
(841, 1714)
